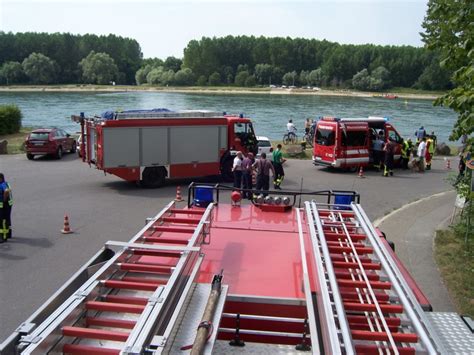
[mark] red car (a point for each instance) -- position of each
(49, 141)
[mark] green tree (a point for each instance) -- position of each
(316, 77)
(361, 80)
(214, 79)
(250, 81)
(12, 72)
(290, 78)
(172, 63)
(434, 78)
(154, 76)
(263, 73)
(202, 81)
(449, 28)
(39, 68)
(140, 76)
(10, 119)
(241, 78)
(304, 77)
(184, 77)
(379, 79)
(98, 68)
(167, 78)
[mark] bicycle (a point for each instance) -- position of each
(290, 137)
(308, 138)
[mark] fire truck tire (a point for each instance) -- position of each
(73, 148)
(154, 177)
(226, 170)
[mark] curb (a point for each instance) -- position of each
(380, 220)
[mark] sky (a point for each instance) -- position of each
(164, 27)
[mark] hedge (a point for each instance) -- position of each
(10, 119)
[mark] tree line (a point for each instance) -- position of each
(232, 60)
(44, 58)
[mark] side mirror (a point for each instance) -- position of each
(68, 135)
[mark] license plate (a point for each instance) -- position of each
(38, 143)
(318, 158)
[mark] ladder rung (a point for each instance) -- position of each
(363, 320)
(359, 250)
(146, 268)
(382, 336)
(345, 274)
(354, 265)
(357, 326)
(114, 307)
(348, 295)
(110, 322)
(90, 333)
(339, 257)
(342, 236)
(77, 349)
(375, 350)
(381, 285)
(126, 299)
(128, 285)
(193, 211)
(166, 240)
(167, 254)
(325, 213)
(173, 229)
(181, 220)
(145, 280)
(370, 307)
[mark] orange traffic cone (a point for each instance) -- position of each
(448, 164)
(178, 197)
(361, 173)
(66, 229)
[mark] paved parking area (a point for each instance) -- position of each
(39, 259)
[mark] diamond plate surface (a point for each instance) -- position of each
(453, 332)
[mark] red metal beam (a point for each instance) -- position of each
(193, 211)
(166, 240)
(351, 295)
(181, 220)
(363, 349)
(76, 349)
(127, 285)
(110, 322)
(147, 252)
(146, 268)
(156, 282)
(382, 336)
(173, 229)
(354, 265)
(114, 307)
(363, 320)
(126, 299)
(90, 333)
(366, 307)
(342, 236)
(359, 250)
(380, 285)
(345, 274)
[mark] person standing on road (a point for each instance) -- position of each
(278, 161)
(389, 150)
(263, 167)
(429, 152)
(420, 134)
(421, 154)
(237, 170)
(6, 204)
(247, 163)
(406, 150)
(377, 149)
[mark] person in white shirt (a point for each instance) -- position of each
(237, 170)
(421, 154)
(290, 127)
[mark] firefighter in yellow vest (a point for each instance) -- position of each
(6, 204)
(406, 150)
(430, 149)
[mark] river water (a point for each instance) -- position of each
(270, 113)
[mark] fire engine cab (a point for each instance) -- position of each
(347, 142)
(148, 146)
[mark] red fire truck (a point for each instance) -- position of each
(272, 276)
(148, 146)
(347, 142)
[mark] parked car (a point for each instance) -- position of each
(264, 145)
(78, 145)
(49, 141)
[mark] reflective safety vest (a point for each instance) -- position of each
(431, 147)
(10, 196)
(405, 149)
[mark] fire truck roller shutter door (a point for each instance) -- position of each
(121, 147)
(194, 144)
(154, 146)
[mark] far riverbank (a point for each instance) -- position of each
(216, 90)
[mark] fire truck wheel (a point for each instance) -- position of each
(153, 177)
(226, 170)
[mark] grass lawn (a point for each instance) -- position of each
(456, 265)
(16, 140)
(293, 151)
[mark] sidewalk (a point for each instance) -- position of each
(412, 229)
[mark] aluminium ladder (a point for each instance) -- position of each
(365, 306)
(131, 303)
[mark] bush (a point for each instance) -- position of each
(10, 119)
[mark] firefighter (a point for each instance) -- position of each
(278, 160)
(377, 149)
(6, 204)
(430, 149)
(263, 167)
(406, 150)
(389, 150)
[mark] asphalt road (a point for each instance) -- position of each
(39, 259)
